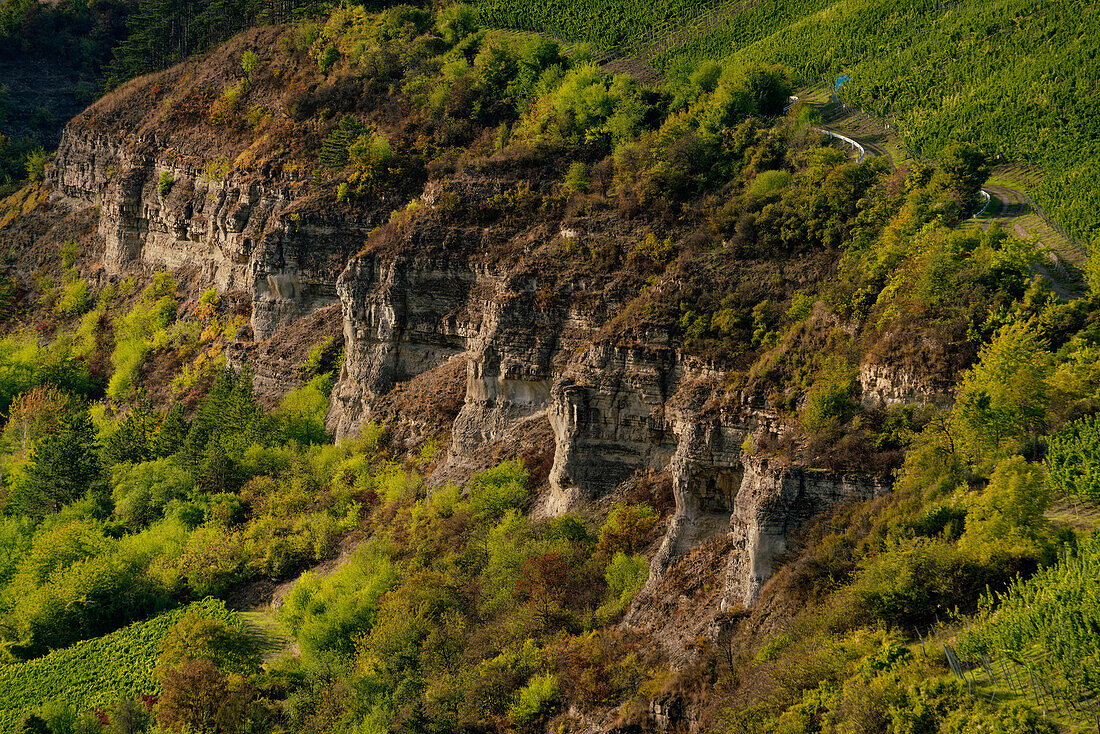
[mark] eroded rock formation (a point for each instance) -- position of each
(433, 321)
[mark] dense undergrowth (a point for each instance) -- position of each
(131, 492)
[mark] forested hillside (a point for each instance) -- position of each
(406, 369)
(1013, 77)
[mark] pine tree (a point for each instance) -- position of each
(172, 433)
(132, 441)
(66, 466)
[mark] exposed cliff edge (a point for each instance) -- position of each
(469, 330)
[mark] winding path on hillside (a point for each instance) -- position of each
(1003, 205)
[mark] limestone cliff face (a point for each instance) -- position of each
(161, 208)
(440, 328)
(608, 419)
(403, 316)
(771, 503)
(884, 385)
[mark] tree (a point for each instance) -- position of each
(626, 530)
(544, 583)
(129, 717)
(229, 416)
(172, 432)
(33, 414)
(1004, 396)
(962, 171)
(196, 695)
(132, 441)
(196, 637)
(65, 467)
(1007, 518)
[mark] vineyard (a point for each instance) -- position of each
(95, 674)
(1041, 635)
(1014, 77)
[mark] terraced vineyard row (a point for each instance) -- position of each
(95, 674)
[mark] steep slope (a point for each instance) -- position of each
(469, 282)
(481, 303)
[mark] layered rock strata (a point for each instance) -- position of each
(435, 317)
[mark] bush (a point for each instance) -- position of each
(301, 415)
(535, 699)
(1007, 518)
(626, 529)
(576, 178)
(829, 401)
(164, 185)
(495, 491)
(769, 182)
(916, 580)
(250, 62)
(142, 491)
(74, 298)
(35, 164)
(200, 636)
(327, 57)
(1004, 397)
(139, 332)
(327, 613)
(625, 576)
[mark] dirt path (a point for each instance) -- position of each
(258, 603)
(1006, 205)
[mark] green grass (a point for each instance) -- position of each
(94, 674)
(266, 632)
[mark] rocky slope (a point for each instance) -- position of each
(460, 330)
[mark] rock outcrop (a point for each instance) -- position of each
(443, 331)
(162, 209)
(771, 503)
(885, 385)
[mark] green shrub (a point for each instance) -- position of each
(1004, 396)
(316, 361)
(829, 402)
(143, 491)
(769, 182)
(916, 580)
(576, 178)
(1007, 517)
(301, 415)
(250, 62)
(141, 330)
(625, 576)
(74, 298)
(535, 699)
(35, 164)
(802, 305)
(164, 185)
(327, 57)
(326, 613)
(588, 107)
(495, 491)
